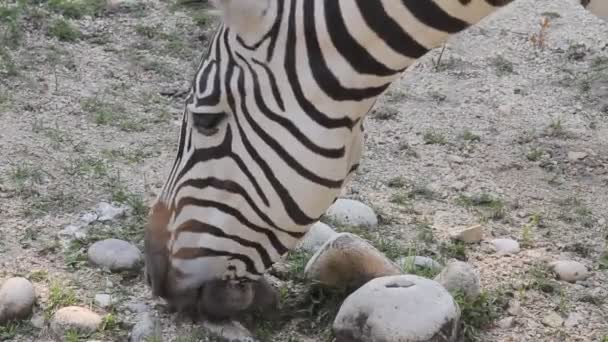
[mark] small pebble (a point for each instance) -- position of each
(114, 254)
(461, 276)
(137, 307)
(75, 318)
(406, 263)
(569, 270)
(506, 323)
(103, 300)
(470, 234)
(505, 246)
(145, 329)
(575, 156)
(455, 159)
(318, 234)
(573, 319)
(553, 320)
(107, 212)
(17, 298)
(514, 308)
(347, 212)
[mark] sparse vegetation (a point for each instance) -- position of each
(434, 138)
(479, 313)
(502, 66)
(488, 206)
(64, 30)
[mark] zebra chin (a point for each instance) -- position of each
(202, 296)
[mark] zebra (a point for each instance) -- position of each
(272, 131)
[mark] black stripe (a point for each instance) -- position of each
(233, 187)
(273, 84)
(292, 76)
(324, 75)
(429, 13)
(389, 30)
(272, 143)
(194, 226)
(212, 99)
(272, 34)
(200, 252)
(286, 123)
(292, 208)
(224, 149)
(228, 210)
(356, 54)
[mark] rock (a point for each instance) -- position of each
(460, 276)
(398, 308)
(348, 260)
(231, 331)
(569, 270)
(470, 234)
(17, 298)
(506, 323)
(553, 320)
(347, 212)
(455, 159)
(107, 212)
(76, 318)
(458, 186)
(114, 254)
(573, 319)
(137, 307)
(75, 231)
(103, 300)
(38, 321)
(505, 246)
(145, 329)
(406, 263)
(514, 308)
(88, 218)
(318, 234)
(576, 156)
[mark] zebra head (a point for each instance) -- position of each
(272, 130)
(258, 159)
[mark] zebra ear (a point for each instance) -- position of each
(243, 15)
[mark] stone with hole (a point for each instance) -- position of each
(348, 261)
(347, 212)
(17, 298)
(398, 308)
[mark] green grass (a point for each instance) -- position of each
(10, 330)
(535, 154)
(479, 313)
(77, 9)
(64, 31)
(469, 136)
(60, 295)
(502, 66)
(488, 206)
(434, 138)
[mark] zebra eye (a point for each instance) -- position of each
(207, 123)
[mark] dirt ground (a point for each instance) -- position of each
(509, 111)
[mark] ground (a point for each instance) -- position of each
(507, 126)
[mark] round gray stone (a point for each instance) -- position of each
(505, 246)
(318, 234)
(17, 298)
(398, 308)
(570, 270)
(114, 254)
(460, 276)
(146, 328)
(75, 318)
(347, 212)
(406, 263)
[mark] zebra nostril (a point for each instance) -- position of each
(207, 123)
